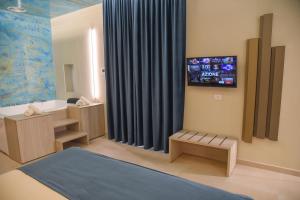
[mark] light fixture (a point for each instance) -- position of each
(94, 64)
(18, 8)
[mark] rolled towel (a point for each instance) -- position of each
(36, 110)
(32, 110)
(29, 112)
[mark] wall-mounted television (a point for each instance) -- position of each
(218, 71)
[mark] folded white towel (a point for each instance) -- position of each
(88, 102)
(32, 110)
(83, 102)
(29, 112)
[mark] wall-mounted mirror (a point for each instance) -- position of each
(69, 78)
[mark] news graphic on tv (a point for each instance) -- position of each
(217, 71)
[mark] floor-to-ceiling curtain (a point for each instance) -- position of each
(145, 61)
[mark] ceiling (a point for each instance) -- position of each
(50, 8)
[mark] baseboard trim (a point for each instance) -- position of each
(269, 167)
(1, 151)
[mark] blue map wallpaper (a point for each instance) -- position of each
(50, 8)
(26, 68)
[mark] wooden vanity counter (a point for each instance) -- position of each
(30, 138)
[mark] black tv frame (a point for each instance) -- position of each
(211, 85)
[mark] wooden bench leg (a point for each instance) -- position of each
(84, 140)
(59, 146)
(174, 150)
(231, 160)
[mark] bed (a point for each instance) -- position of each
(79, 174)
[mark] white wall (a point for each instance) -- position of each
(70, 35)
(216, 27)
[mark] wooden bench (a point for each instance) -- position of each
(211, 146)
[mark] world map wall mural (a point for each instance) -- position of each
(26, 68)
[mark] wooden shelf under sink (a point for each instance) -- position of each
(68, 135)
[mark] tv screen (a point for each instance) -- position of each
(219, 71)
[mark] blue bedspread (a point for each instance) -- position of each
(79, 174)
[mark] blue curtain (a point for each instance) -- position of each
(145, 62)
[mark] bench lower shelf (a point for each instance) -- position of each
(68, 136)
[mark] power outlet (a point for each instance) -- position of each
(218, 97)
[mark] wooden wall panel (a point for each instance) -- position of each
(263, 74)
(12, 139)
(3, 138)
(97, 121)
(36, 137)
(29, 138)
(59, 114)
(91, 119)
(250, 89)
(276, 77)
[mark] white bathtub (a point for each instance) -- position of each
(46, 106)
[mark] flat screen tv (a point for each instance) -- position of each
(218, 71)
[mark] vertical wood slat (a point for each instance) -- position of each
(207, 139)
(3, 137)
(263, 74)
(188, 135)
(250, 89)
(217, 140)
(228, 142)
(197, 137)
(179, 134)
(276, 73)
